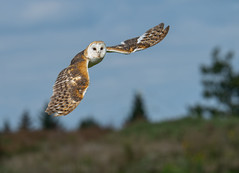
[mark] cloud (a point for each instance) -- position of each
(41, 10)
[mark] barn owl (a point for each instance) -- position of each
(73, 81)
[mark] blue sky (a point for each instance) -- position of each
(39, 38)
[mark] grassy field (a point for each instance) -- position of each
(188, 145)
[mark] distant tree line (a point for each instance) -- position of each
(49, 122)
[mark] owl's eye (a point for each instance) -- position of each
(101, 48)
(94, 48)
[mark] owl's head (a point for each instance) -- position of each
(95, 52)
(96, 49)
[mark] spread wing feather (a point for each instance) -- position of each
(68, 90)
(148, 39)
(72, 82)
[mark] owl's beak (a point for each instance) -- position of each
(98, 54)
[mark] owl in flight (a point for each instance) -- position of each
(72, 82)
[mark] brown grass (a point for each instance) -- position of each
(188, 145)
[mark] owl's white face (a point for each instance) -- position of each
(96, 52)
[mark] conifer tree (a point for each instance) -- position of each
(25, 122)
(138, 110)
(48, 122)
(6, 127)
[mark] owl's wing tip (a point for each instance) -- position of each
(161, 24)
(58, 115)
(55, 114)
(167, 28)
(49, 112)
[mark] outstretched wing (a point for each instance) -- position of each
(68, 90)
(148, 39)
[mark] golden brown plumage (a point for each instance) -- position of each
(148, 39)
(69, 88)
(72, 82)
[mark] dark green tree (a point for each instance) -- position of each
(220, 83)
(48, 122)
(6, 127)
(25, 122)
(88, 123)
(138, 110)
(196, 110)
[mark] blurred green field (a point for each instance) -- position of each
(188, 145)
